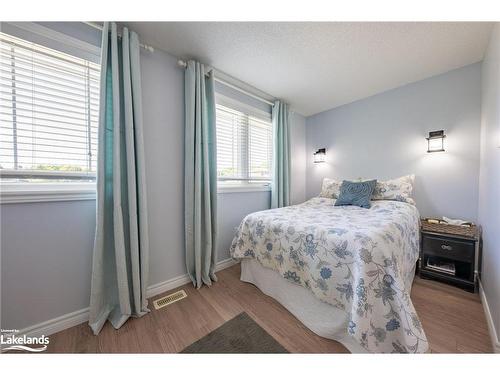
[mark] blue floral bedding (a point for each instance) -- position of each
(358, 260)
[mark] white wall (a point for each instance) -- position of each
(384, 137)
(46, 248)
(489, 182)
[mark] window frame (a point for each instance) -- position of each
(32, 192)
(248, 110)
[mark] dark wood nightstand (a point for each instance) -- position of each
(451, 254)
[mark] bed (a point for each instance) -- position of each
(345, 272)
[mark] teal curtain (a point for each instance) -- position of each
(200, 174)
(280, 188)
(121, 247)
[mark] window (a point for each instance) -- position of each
(244, 148)
(48, 113)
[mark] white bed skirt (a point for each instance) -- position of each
(321, 318)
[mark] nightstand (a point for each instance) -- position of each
(451, 254)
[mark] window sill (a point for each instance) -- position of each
(43, 192)
(242, 189)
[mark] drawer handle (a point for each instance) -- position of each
(446, 247)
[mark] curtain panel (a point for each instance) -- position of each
(280, 187)
(121, 247)
(200, 174)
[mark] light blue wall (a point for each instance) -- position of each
(163, 102)
(47, 247)
(233, 207)
(298, 158)
(46, 251)
(383, 137)
(489, 182)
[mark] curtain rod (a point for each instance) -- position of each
(183, 64)
(99, 27)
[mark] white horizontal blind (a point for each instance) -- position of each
(260, 149)
(48, 112)
(244, 147)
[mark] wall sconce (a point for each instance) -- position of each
(435, 141)
(320, 155)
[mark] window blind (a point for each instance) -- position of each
(48, 112)
(244, 147)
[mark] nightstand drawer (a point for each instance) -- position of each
(448, 248)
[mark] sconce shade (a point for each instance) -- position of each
(435, 141)
(320, 155)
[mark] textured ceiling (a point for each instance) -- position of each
(318, 66)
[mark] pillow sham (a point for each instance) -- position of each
(356, 193)
(398, 189)
(330, 188)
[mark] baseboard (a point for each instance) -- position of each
(223, 264)
(489, 320)
(176, 282)
(75, 318)
(164, 286)
(58, 324)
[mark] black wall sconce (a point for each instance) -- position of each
(320, 155)
(435, 141)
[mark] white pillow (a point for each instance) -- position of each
(398, 189)
(330, 188)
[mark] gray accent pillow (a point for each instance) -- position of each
(356, 193)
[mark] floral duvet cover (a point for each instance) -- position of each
(358, 260)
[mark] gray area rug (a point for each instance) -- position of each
(239, 335)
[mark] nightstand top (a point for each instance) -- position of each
(472, 232)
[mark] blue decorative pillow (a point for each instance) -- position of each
(356, 193)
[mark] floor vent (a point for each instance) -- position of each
(171, 298)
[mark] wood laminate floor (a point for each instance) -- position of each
(453, 320)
